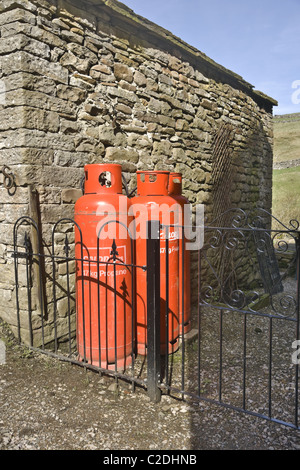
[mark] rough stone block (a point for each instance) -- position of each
(24, 43)
(140, 79)
(19, 156)
(26, 4)
(18, 14)
(46, 37)
(70, 195)
(69, 93)
(22, 61)
(123, 72)
(23, 97)
(73, 159)
(33, 118)
(110, 137)
(68, 127)
(120, 154)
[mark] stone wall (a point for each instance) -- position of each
(89, 81)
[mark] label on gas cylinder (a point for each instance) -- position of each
(173, 238)
(107, 266)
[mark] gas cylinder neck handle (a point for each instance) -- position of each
(103, 178)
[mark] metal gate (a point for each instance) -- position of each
(45, 287)
(243, 353)
(242, 350)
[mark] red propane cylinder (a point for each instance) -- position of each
(175, 191)
(104, 288)
(153, 203)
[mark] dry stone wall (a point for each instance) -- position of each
(87, 82)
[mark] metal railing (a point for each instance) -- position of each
(42, 290)
(238, 353)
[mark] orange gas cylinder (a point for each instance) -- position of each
(104, 289)
(175, 191)
(153, 203)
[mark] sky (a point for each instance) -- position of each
(257, 39)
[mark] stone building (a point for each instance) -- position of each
(90, 81)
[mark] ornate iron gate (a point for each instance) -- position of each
(243, 353)
(45, 288)
(242, 350)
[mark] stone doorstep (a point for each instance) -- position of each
(191, 335)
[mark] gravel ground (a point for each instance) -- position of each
(47, 404)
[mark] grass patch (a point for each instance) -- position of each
(286, 140)
(286, 195)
